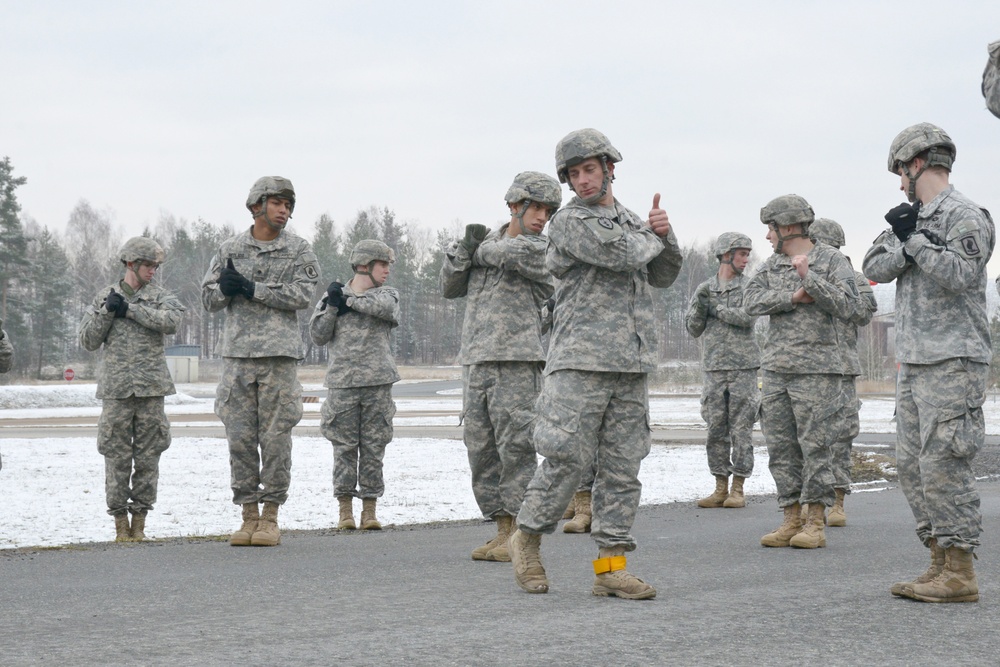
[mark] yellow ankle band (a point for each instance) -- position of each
(609, 564)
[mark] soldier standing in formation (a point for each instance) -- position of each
(730, 398)
(937, 252)
(503, 276)
(133, 379)
(804, 288)
(354, 321)
(831, 233)
(261, 277)
(602, 346)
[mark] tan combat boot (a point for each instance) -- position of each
(525, 555)
(837, 518)
(496, 548)
(241, 538)
(346, 513)
(267, 533)
(735, 497)
(937, 564)
(956, 583)
(138, 531)
(582, 514)
(570, 511)
(368, 519)
(718, 497)
(122, 531)
(613, 580)
(782, 535)
(811, 536)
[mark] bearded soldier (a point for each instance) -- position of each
(261, 277)
(730, 358)
(936, 251)
(129, 319)
(503, 277)
(354, 321)
(594, 400)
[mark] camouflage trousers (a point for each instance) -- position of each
(939, 430)
(259, 401)
(583, 415)
(358, 422)
(730, 401)
(498, 411)
(131, 434)
(850, 426)
(799, 419)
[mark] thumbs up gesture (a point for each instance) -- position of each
(658, 220)
(232, 282)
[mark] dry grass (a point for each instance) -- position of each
(872, 467)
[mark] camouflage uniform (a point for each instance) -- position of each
(357, 415)
(804, 369)
(131, 383)
(943, 348)
(6, 351)
(991, 79)
(730, 358)
(259, 398)
(507, 286)
(603, 344)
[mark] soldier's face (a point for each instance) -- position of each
(145, 270)
(740, 259)
(278, 212)
(535, 217)
(587, 177)
(772, 237)
(380, 272)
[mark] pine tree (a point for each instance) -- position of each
(13, 245)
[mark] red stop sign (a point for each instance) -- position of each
(68, 374)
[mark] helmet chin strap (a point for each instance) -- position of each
(730, 262)
(788, 237)
(911, 191)
(604, 184)
(368, 272)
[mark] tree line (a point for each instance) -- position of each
(48, 279)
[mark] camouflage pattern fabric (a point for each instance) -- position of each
(730, 401)
(259, 401)
(131, 431)
(941, 293)
(358, 422)
(507, 285)
(799, 419)
(943, 347)
(716, 312)
(991, 79)
(582, 415)
(940, 428)
(606, 260)
(133, 361)
(6, 351)
(498, 413)
(804, 337)
(358, 343)
(850, 425)
(285, 273)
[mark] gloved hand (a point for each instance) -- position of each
(903, 219)
(232, 282)
(116, 303)
(474, 235)
(334, 294)
(551, 304)
(342, 307)
(704, 295)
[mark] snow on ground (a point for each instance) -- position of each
(52, 490)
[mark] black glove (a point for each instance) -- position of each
(342, 307)
(474, 235)
(232, 282)
(116, 303)
(551, 304)
(334, 294)
(903, 219)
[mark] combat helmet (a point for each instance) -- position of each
(824, 230)
(271, 186)
(915, 140)
(784, 211)
(729, 241)
(580, 145)
(533, 186)
(366, 253)
(141, 249)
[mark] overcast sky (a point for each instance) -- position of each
(430, 108)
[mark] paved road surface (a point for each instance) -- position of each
(412, 596)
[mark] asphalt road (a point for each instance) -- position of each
(412, 596)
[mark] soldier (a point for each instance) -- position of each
(831, 233)
(937, 252)
(354, 321)
(133, 379)
(6, 350)
(804, 288)
(603, 344)
(730, 358)
(502, 273)
(991, 79)
(261, 277)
